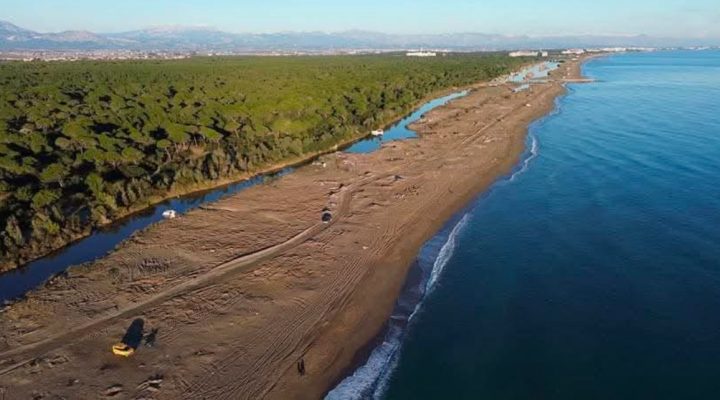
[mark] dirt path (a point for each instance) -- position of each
(31, 351)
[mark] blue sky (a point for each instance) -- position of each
(675, 18)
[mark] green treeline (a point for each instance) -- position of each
(83, 142)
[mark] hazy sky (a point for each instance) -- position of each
(676, 18)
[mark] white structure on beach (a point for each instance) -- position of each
(169, 214)
(574, 51)
(526, 53)
(421, 54)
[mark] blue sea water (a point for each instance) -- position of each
(594, 271)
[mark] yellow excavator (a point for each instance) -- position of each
(131, 340)
(123, 350)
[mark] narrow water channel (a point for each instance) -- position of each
(18, 282)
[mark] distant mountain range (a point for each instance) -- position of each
(13, 37)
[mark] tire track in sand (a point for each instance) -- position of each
(29, 352)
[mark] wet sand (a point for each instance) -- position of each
(242, 289)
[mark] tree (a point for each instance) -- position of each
(209, 135)
(95, 183)
(86, 138)
(54, 173)
(131, 155)
(44, 198)
(13, 232)
(177, 134)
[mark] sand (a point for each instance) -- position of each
(242, 289)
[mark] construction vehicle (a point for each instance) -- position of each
(131, 340)
(123, 350)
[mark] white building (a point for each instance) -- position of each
(574, 51)
(421, 54)
(526, 53)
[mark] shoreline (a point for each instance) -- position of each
(457, 206)
(365, 351)
(320, 300)
(451, 211)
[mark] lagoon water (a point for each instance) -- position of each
(594, 271)
(400, 130)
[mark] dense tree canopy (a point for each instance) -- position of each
(83, 142)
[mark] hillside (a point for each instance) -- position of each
(178, 38)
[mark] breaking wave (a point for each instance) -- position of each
(370, 380)
(533, 153)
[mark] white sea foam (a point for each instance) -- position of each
(370, 380)
(444, 256)
(366, 381)
(534, 150)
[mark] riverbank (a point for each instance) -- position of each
(234, 314)
(39, 250)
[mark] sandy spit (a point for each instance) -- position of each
(239, 291)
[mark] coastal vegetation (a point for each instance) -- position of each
(84, 143)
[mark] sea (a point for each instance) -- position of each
(592, 271)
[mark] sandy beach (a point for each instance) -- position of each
(242, 289)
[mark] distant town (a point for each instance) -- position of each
(118, 55)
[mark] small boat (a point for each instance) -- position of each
(378, 132)
(169, 214)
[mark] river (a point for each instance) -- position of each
(17, 282)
